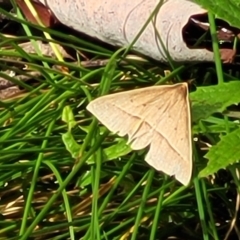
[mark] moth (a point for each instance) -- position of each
(156, 117)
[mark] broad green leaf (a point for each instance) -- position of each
(224, 153)
(121, 148)
(227, 10)
(68, 117)
(118, 150)
(208, 100)
(71, 145)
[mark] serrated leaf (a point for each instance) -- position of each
(71, 145)
(226, 10)
(121, 148)
(224, 153)
(212, 99)
(68, 117)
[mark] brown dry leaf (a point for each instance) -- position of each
(44, 48)
(9, 92)
(228, 55)
(47, 18)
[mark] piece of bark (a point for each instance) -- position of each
(118, 23)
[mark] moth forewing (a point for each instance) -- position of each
(158, 117)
